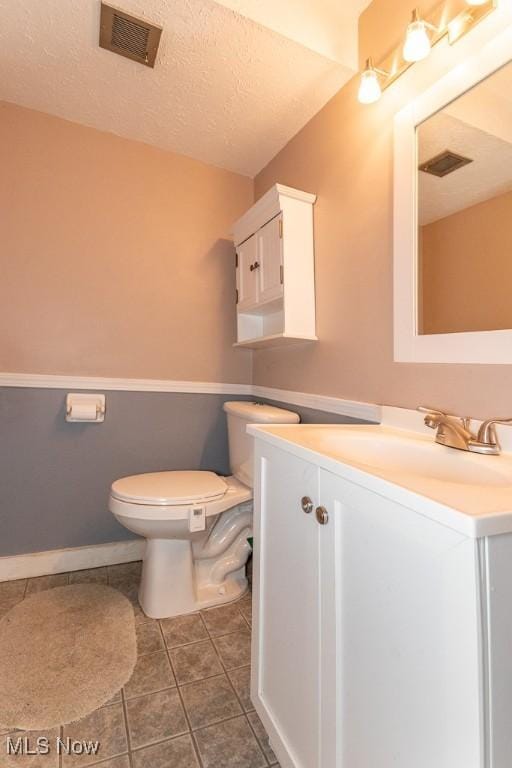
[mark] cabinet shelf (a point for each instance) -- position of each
(265, 308)
(274, 340)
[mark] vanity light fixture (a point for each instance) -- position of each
(417, 40)
(370, 89)
(421, 36)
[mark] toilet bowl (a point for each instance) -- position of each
(196, 523)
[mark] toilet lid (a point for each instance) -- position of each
(169, 488)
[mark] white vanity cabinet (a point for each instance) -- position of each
(275, 270)
(382, 638)
(294, 629)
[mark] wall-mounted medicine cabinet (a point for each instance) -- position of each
(275, 276)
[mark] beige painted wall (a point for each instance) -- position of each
(115, 257)
(345, 155)
(467, 269)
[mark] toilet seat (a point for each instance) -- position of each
(235, 493)
(170, 489)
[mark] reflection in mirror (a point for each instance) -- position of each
(465, 211)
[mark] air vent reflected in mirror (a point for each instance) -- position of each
(128, 35)
(445, 163)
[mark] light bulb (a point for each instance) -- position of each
(369, 87)
(476, 2)
(417, 41)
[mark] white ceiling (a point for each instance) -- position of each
(233, 82)
(325, 26)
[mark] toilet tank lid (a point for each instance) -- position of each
(260, 413)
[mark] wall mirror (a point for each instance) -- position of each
(453, 217)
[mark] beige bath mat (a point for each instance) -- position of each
(64, 653)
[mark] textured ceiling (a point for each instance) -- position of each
(226, 89)
(328, 27)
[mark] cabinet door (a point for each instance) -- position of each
(246, 273)
(406, 658)
(330, 612)
(270, 261)
(286, 598)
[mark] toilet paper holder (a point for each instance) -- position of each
(85, 407)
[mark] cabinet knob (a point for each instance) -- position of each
(306, 504)
(322, 515)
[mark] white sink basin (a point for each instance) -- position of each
(476, 486)
(403, 453)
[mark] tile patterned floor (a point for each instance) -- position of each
(187, 703)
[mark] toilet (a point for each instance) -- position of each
(196, 523)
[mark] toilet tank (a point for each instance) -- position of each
(239, 415)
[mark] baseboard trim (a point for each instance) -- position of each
(64, 560)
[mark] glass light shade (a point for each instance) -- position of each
(369, 87)
(476, 2)
(417, 42)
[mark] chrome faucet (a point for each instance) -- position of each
(455, 432)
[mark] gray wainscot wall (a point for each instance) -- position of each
(55, 476)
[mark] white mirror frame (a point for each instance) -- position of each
(409, 346)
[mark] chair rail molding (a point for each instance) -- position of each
(49, 381)
(327, 403)
(352, 408)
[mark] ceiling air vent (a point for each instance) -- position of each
(445, 163)
(129, 36)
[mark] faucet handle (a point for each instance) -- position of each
(436, 412)
(487, 432)
(433, 416)
(426, 409)
(430, 412)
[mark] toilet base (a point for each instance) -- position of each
(211, 594)
(171, 585)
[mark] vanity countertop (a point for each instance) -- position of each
(468, 492)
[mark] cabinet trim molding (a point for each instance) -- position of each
(264, 209)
